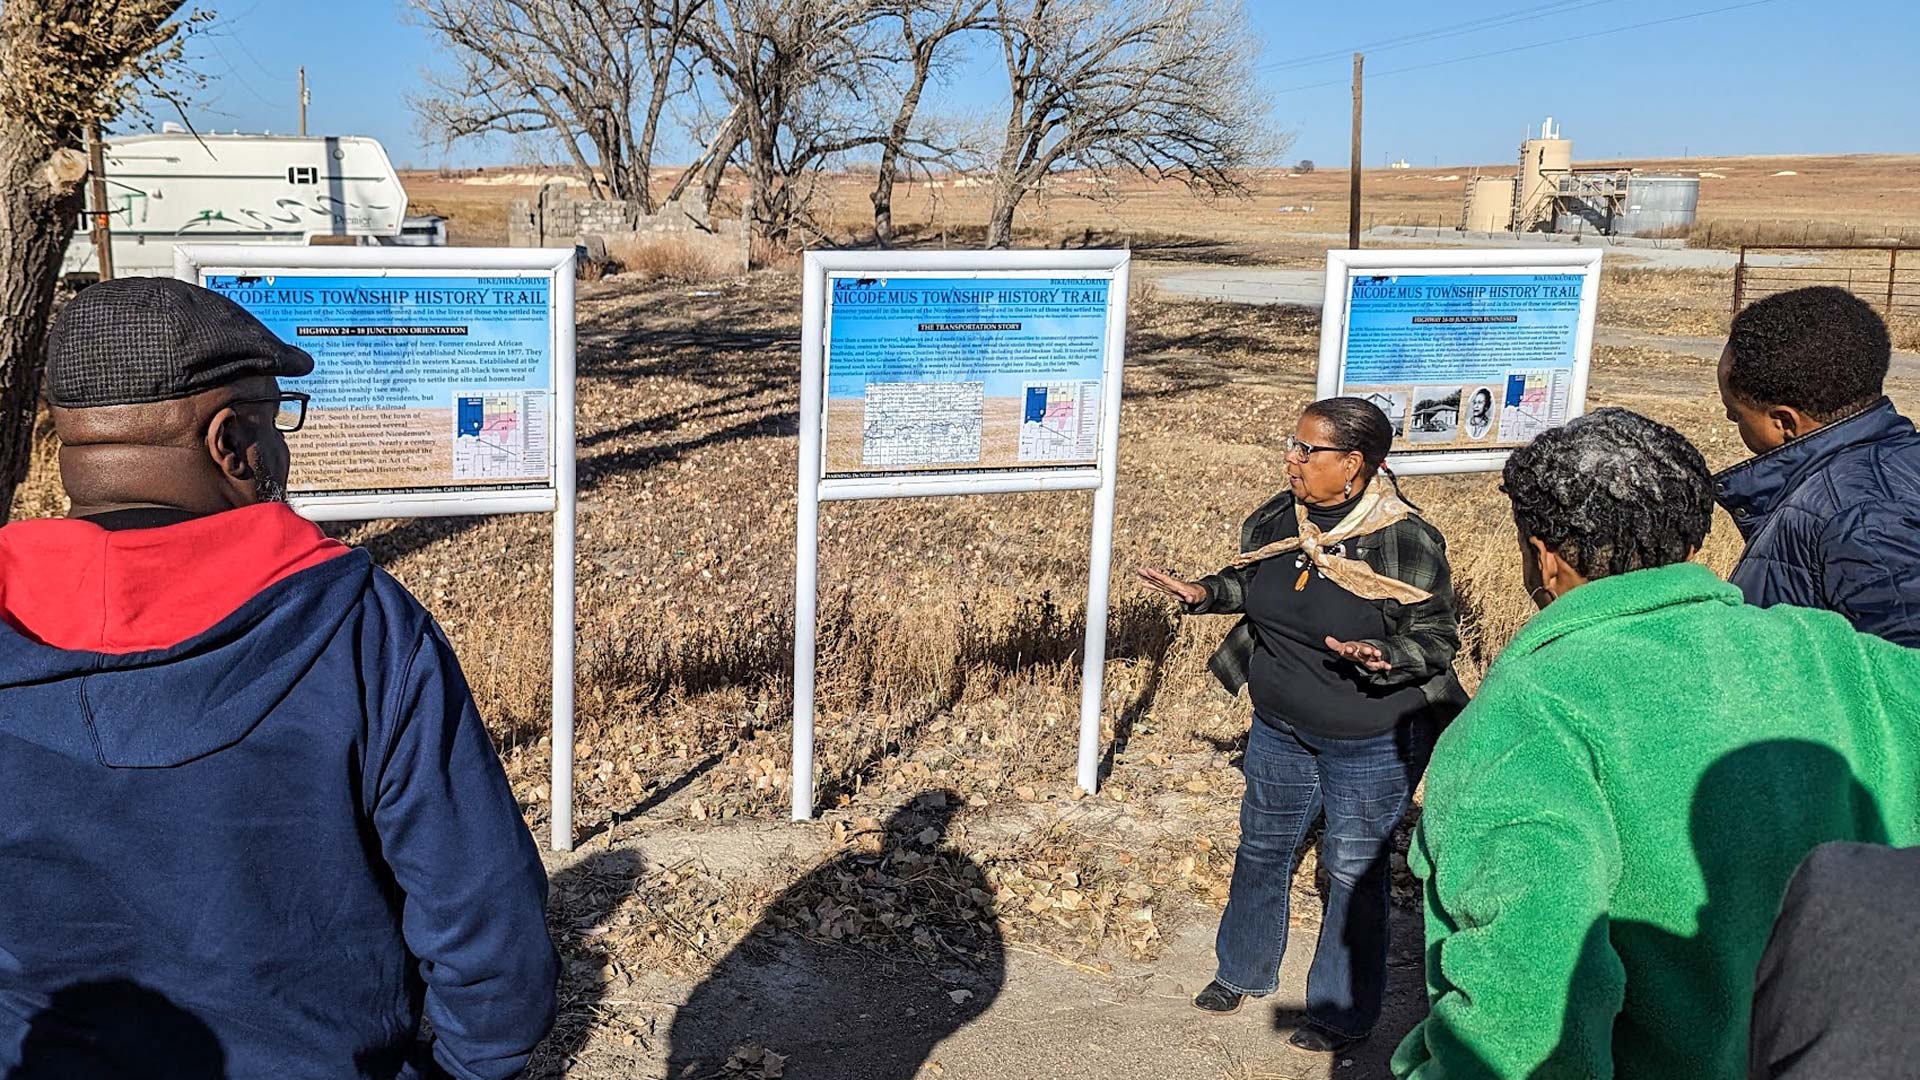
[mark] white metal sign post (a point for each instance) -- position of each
(442, 386)
(1469, 353)
(958, 373)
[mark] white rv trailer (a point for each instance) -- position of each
(177, 187)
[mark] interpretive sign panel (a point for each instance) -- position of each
(957, 373)
(937, 372)
(442, 384)
(422, 382)
(1469, 353)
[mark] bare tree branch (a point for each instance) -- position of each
(925, 28)
(1159, 88)
(594, 74)
(798, 74)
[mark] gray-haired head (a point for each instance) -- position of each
(1612, 492)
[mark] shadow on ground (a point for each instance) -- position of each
(792, 999)
(580, 900)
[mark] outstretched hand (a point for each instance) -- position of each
(1360, 653)
(1187, 592)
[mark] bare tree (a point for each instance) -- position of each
(1159, 88)
(598, 72)
(926, 27)
(800, 76)
(64, 65)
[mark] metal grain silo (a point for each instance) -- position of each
(1489, 204)
(1659, 206)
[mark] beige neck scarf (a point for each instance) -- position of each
(1378, 508)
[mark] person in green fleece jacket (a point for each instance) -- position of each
(1610, 825)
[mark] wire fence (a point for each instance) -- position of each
(1884, 275)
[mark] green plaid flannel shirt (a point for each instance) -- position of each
(1421, 638)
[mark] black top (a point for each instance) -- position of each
(140, 517)
(1292, 675)
(1840, 978)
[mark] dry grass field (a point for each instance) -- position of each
(1744, 199)
(948, 674)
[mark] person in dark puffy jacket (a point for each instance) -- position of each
(1830, 507)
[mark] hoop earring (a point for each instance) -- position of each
(1533, 594)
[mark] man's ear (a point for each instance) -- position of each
(1792, 422)
(229, 437)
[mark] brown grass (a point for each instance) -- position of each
(1732, 233)
(1686, 302)
(668, 258)
(965, 611)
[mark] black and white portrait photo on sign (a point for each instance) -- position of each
(1480, 413)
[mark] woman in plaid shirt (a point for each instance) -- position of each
(1345, 644)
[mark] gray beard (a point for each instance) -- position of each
(268, 490)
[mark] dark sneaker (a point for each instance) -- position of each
(1315, 1041)
(1217, 999)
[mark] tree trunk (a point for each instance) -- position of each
(883, 201)
(39, 205)
(1000, 219)
(759, 212)
(890, 152)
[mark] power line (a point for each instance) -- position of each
(1488, 22)
(1538, 44)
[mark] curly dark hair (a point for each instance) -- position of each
(1612, 492)
(1822, 350)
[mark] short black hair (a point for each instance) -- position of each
(1612, 492)
(1358, 424)
(1822, 350)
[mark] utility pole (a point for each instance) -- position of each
(1353, 196)
(97, 195)
(305, 100)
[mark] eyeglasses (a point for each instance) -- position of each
(1304, 450)
(291, 413)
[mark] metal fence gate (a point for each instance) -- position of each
(1884, 275)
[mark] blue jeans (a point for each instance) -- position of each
(1364, 785)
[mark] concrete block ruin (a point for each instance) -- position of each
(557, 218)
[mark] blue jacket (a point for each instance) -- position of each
(245, 793)
(1833, 521)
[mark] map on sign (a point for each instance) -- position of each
(1061, 421)
(909, 424)
(499, 436)
(949, 374)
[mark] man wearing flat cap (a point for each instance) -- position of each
(250, 821)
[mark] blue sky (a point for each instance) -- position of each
(1784, 76)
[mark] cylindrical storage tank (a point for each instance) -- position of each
(1489, 204)
(1543, 163)
(1659, 206)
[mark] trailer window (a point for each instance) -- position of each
(303, 174)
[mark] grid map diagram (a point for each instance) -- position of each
(500, 436)
(1060, 421)
(929, 423)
